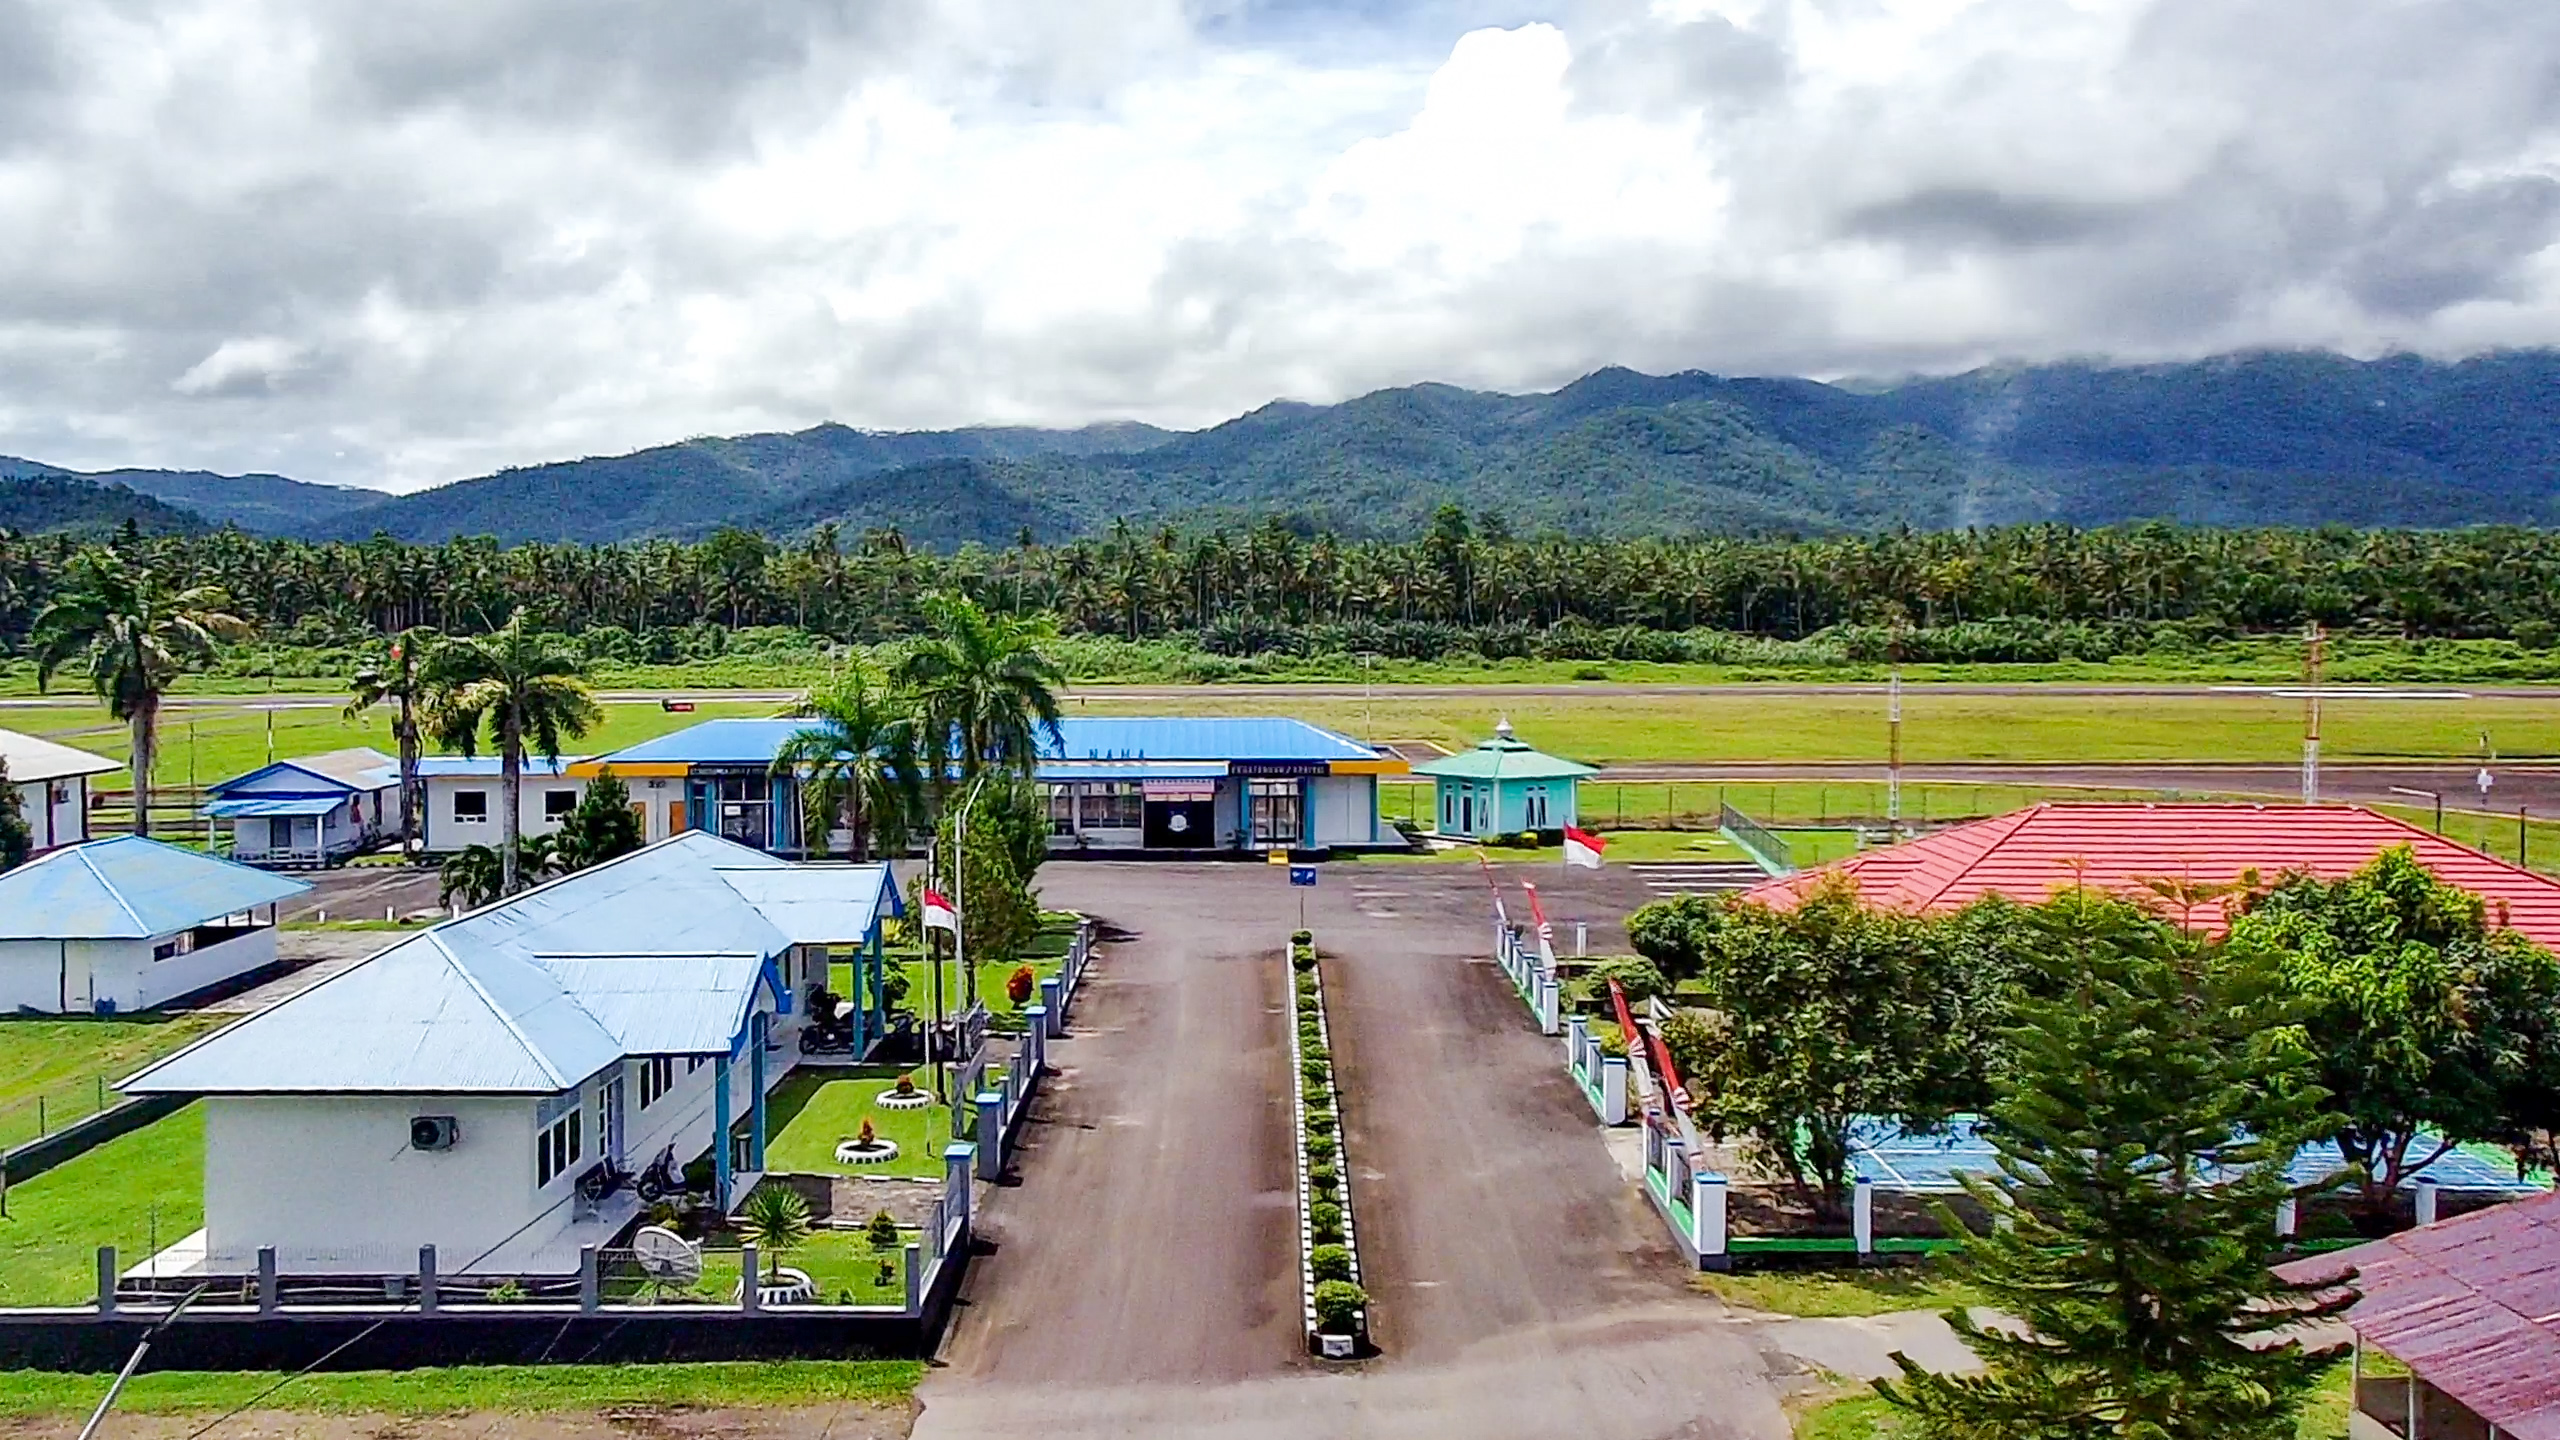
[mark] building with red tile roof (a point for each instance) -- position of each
(2137, 849)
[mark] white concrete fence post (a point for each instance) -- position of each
(269, 1292)
(590, 1281)
(1613, 1090)
(1581, 938)
(2288, 1218)
(1035, 1040)
(1053, 1006)
(427, 1280)
(106, 1279)
(915, 1279)
(957, 1163)
(1707, 1196)
(749, 1272)
(1862, 1215)
(1577, 1036)
(2426, 1200)
(1549, 1006)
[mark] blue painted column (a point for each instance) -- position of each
(757, 1029)
(720, 1133)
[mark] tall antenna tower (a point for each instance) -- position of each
(2313, 640)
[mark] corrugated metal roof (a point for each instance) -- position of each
(540, 991)
(819, 904)
(129, 888)
(32, 759)
(485, 766)
(361, 766)
(251, 806)
(2472, 1305)
(714, 742)
(662, 1004)
(2029, 854)
(1198, 738)
(1503, 758)
(1091, 772)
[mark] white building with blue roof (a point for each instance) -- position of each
(129, 923)
(491, 1085)
(1177, 785)
(311, 811)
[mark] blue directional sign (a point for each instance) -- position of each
(1302, 875)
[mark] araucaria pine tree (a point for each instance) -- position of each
(2142, 1139)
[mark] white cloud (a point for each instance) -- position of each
(299, 235)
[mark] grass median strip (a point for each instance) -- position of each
(515, 1389)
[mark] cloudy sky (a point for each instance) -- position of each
(396, 244)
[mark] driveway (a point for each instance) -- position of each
(1522, 1288)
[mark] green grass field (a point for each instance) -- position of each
(131, 1192)
(53, 1072)
(501, 1389)
(809, 1113)
(1863, 1415)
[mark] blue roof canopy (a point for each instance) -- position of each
(487, 766)
(252, 806)
(127, 887)
(1194, 738)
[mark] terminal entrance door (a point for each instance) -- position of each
(1180, 817)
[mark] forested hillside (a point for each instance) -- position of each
(40, 504)
(2293, 439)
(263, 504)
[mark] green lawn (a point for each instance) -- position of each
(516, 1389)
(125, 1193)
(1879, 1291)
(71, 1065)
(808, 1113)
(1863, 1415)
(1045, 958)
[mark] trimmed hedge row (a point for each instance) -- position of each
(1336, 1305)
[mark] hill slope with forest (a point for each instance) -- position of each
(40, 504)
(2265, 438)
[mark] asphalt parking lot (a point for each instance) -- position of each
(1144, 1275)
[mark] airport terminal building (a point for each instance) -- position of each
(1172, 785)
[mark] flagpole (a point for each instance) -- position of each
(933, 962)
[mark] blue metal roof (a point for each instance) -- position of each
(657, 952)
(485, 766)
(250, 806)
(1198, 738)
(714, 742)
(129, 888)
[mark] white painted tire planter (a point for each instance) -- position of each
(1328, 1095)
(912, 1100)
(878, 1152)
(788, 1286)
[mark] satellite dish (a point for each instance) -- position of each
(666, 1257)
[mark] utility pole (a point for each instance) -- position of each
(2313, 640)
(1893, 743)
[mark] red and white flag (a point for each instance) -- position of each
(939, 914)
(1583, 848)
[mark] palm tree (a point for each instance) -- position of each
(860, 753)
(525, 688)
(983, 685)
(133, 636)
(399, 678)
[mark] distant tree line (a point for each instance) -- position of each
(2024, 593)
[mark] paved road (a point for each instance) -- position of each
(1154, 1240)
(1141, 1289)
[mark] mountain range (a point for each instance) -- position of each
(2284, 438)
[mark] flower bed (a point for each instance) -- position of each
(1336, 1307)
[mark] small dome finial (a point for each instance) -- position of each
(1502, 727)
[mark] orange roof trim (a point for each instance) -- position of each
(2127, 848)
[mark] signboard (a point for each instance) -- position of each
(1179, 789)
(1302, 875)
(1278, 769)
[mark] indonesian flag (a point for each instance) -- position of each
(938, 914)
(1583, 848)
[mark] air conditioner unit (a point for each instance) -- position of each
(434, 1132)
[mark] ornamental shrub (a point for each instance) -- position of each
(1019, 985)
(1319, 1122)
(1302, 937)
(882, 1231)
(1329, 1262)
(1312, 1050)
(1321, 1147)
(1302, 960)
(1338, 1306)
(1325, 1218)
(1316, 1071)
(1324, 1180)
